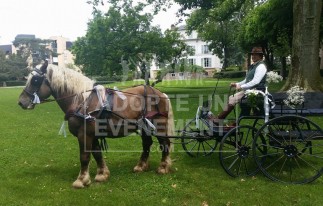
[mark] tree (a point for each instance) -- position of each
(12, 67)
(270, 26)
(306, 41)
(217, 21)
(122, 40)
(33, 47)
(220, 34)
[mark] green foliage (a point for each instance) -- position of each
(269, 25)
(234, 68)
(37, 48)
(232, 26)
(114, 78)
(122, 40)
(13, 83)
(12, 67)
(230, 74)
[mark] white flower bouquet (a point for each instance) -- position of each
(253, 98)
(295, 97)
(273, 77)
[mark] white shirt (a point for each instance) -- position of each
(260, 72)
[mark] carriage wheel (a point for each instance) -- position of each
(236, 152)
(198, 141)
(294, 149)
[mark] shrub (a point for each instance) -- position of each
(233, 68)
(230, 74)
(13, 83)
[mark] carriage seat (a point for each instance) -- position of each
(313, 105)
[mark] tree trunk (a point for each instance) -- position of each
(269, 58)
(225, 59)
(305, 50)
(283, 67)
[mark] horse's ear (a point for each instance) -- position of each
(43, 68)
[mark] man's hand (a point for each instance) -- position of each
(233, 84)
(237, 86)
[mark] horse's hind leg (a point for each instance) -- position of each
(166, 162)
(103, 172)
(85, 145)
(143, 162)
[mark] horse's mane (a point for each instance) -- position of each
(68, 81)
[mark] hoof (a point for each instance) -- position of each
(141, 167)
(163, 170)
(82, 182)
(78, 184)
(102, 177)
(164, 167)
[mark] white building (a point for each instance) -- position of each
(61, 46)
(202, 55)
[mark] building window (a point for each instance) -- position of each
(173, 74)
(205, 49)
(191, 61)
(181, 74)
(206, 62)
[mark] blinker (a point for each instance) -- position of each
(37, 80)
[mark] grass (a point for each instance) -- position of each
(38, 166)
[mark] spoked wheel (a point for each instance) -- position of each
(197, 138)
(236, 152)
(294, 149)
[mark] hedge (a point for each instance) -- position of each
(230, 74)
(12, 83)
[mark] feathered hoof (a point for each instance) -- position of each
(141, 167)
(164, 167)
(102, 177)
(163, 170)
(82, 181)
(78, 184)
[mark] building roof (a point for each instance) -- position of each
(25, 36)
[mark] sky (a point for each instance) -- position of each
(46, 18)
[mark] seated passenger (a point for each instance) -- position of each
(255, 79)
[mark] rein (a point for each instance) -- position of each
(129, 93)
(62, 98)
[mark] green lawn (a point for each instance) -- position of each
(38, 166)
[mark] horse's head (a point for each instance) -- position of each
(37, 88)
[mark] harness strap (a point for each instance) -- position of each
(107, 105)
(144, 109)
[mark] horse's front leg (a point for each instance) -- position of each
(103, 172)
(166, 162)
(85, 145)
(143, 161)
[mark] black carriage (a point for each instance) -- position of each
(282, 143)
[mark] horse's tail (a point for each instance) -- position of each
(170, 119)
